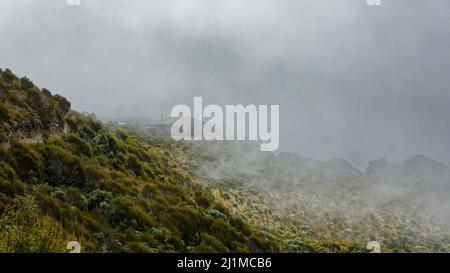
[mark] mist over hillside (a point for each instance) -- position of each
(63, 165)
(403, 205)
(65, 176)
(363, 99)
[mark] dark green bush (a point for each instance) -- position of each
(80, 146)
(96, 198)
(9, 182)
(26, 83)
(4, 112)
(203, 199)
(27, 162)
(8, 76)
(209, 243)
(76, 198)
(125, 213)
(135, 165)
(63, 168)
(63, 103)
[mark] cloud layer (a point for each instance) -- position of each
(352, 81)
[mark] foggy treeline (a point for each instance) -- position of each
(390, 202)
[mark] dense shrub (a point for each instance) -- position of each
(8, 76)
(9, 182)
(98, 197)
(209, 243)
(76, 198)
(4, 111)
(203, 199)
(27, 162)
(125, 213)
(62, 168)
(24, 230)
(26, 83)
(63, 103)
(218, 214)
(135, 165)
(79, 146)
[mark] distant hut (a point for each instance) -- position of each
(160, 128)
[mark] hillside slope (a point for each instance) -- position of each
(65, 176)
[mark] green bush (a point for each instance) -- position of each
(63, 103)
(218, 214)
(60, 194)
(8, 76)
(203, 199)
(63, 168)
(96, 198)
(23, 230)
(134, 164)
(79, 146)
(125, 213)
(26, 83)
(4, 112)
(27, 162)
(209, 243)
(9, 182)
(76, 198)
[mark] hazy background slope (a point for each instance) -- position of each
(403, 205)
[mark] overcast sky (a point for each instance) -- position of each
(351, 80)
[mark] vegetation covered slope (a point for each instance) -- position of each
(111, 190)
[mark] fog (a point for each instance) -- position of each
(352, 81)
(398, 204)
